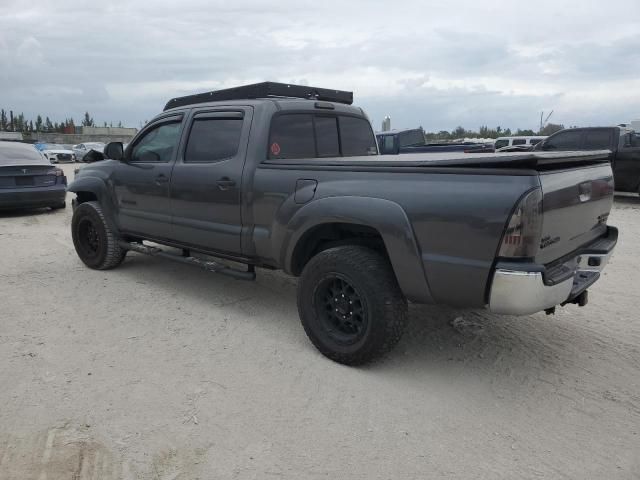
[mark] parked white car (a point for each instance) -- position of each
(82, 149)
(502, 142)
(58, 153)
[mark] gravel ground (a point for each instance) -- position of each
(157, 370)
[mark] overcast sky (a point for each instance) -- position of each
(438, 64)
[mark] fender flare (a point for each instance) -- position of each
(98, 187)
(385, 216)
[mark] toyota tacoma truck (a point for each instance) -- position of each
(289, 177)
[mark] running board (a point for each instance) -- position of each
(211, 266)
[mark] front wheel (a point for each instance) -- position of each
(350, 304)
(95, 241)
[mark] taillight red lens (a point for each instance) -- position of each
(522, 237)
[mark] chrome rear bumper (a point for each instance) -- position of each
(518, 290)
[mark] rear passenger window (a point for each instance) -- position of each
(357, 137)
(519, 141)
(597, 139)
(292, 137)
(501, 144)
(564, 141)
(327, 136)
(213, 139)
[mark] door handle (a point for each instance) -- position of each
(225, 182)
(161, 179)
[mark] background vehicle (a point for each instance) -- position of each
(82, 149)
(502, 142)
(624, 144)
(27, 179)
(296, 184)
(57, 153)
(396, 142)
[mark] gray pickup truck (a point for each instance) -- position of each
(288, 177)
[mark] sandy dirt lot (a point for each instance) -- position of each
(161, 371)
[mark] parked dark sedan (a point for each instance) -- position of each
(28, 180)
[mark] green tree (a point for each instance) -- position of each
(87, 121)
(551, 128)
(48, 126)
(39, 124)
(3, 120)
(12, 124)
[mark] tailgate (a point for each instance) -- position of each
(576, 203)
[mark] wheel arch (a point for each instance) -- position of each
(378, 223)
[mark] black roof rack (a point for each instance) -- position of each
(264, 90)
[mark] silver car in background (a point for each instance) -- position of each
(82, 149)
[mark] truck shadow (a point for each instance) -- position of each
(26, 212)
(439, 340)
(627, 200)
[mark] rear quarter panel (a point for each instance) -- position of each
(455, 219)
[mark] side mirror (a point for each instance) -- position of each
(114, 151)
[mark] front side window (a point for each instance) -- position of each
(564, 141)
(357, 137)
(501, 144)
(597, 139)
(213, 139)
(519, 141)
(158, 144)
(535, 141)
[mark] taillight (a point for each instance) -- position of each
(58, 172)
(522, 238)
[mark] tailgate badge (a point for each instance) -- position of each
(584, 190)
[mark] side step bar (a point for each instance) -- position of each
(209, 265)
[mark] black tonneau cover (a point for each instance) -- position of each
(519, 160)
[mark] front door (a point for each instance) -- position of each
(206, 184)
(142, 179)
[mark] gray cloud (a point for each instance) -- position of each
(423, 63)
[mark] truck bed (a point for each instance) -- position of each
(515, 160)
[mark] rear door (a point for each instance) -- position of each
(207, 179)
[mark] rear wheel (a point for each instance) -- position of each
(95, 241)
(350, 304)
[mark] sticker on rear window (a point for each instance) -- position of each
(275, 149)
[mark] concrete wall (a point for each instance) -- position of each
(79, 138)
(110, 131)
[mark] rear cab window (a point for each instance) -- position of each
(569, 140)
(314, 135)
(597, 139)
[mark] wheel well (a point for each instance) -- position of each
(331, 235)
(86, 197)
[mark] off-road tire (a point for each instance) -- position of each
(95, 240)
(371, 278)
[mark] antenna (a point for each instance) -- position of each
(542, 124)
